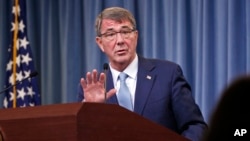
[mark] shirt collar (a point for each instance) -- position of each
(131, 70)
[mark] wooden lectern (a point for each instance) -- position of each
(80, 122)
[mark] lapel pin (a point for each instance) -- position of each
(148, 77)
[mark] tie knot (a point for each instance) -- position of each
(123, 76)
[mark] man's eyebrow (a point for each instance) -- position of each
(112, 29)
(125, 27)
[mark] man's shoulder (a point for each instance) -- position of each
(157, 62)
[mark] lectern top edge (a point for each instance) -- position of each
(40, 111)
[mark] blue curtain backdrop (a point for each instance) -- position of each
(210, 39)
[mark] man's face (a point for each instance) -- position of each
(119, 47)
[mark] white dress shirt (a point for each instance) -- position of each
(131, 71)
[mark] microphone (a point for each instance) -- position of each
(33, 74)
(105, 69)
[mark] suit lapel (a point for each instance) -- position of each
(145, 81)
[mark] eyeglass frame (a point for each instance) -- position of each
(116, 32)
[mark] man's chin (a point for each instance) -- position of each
(122, 59)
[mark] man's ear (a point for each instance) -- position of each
(99, 43)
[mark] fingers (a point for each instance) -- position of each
(92, 77)
(88, 78)
(83, 83)
(102, 78)
(94, 87)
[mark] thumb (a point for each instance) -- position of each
(110, 93)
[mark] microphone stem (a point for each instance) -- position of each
(31, 75)
(10, 87)
(105, 86)
(105, 68)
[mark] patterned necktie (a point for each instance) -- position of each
(123, 96)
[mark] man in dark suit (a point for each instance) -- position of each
(157, 89)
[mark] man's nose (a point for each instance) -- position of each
(119, 37)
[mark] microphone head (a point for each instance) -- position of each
(33, 74)
(105, 66)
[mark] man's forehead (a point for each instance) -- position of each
(108, 24)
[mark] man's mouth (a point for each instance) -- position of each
(121, 52)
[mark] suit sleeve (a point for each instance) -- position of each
(188, 115)
(79, 93)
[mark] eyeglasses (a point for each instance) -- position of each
(112, 35)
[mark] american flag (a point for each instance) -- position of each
(20, 64)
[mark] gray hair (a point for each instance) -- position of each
(114, 13)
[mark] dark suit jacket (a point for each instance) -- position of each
(164, 96)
